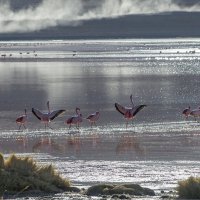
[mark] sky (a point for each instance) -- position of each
(26, 17)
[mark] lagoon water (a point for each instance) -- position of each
(159, 148)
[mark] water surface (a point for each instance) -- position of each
(156, 150)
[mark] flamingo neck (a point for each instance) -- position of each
(78, 111)
(131, 98)
(48, 106)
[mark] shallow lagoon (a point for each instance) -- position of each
(158, 148)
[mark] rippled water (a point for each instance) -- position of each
(156, 150)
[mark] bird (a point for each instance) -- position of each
(75, 119)
(92, 118)
(47, 117)
(129, 112)
(195, 113)
(186, 112)
(22, 120)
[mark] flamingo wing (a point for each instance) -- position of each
(120, 108)
(19, 119)
(90, 116)
(186, 111)
(37, 113)
(138, 108)
(55, 114)
(70, 120)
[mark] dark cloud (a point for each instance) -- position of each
(29, 16)
(187, 3)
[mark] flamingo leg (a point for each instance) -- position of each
(91, 124)
(95, 124)
(24, 126)
(133, 125)
(126, 124)
(49, 126)
(20, 126)
(70, 126)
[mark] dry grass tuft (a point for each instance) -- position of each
(18, 173)
(24, 166)
(1, 161)
(189, 188)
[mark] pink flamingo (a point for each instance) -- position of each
(129, 112)
(186, 112)
(48, 116)
(76, 119)
(195, 113)
(21, 120)
(92, 118)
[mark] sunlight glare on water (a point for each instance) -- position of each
(157, 149)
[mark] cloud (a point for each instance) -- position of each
(51, 13)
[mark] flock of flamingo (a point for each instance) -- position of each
(129, 113)
(46, 117)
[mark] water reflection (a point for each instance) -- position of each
(129, 144)
(96, 145)
(71, 145)
(47, 145)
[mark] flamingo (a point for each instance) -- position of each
(92, 118)
(186, 112)
(21, 120)
(129, 112)
(76, 119)
(48, 116)
(195, 113)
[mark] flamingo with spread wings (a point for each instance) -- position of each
(47, 117)
(129, 112)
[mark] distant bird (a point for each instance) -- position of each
(92, 118)
(129, 112)
(48, 116)
(76, 119)
(186, 112)
(3, 55)
(22, 120)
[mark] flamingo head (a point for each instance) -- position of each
(78, 111)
